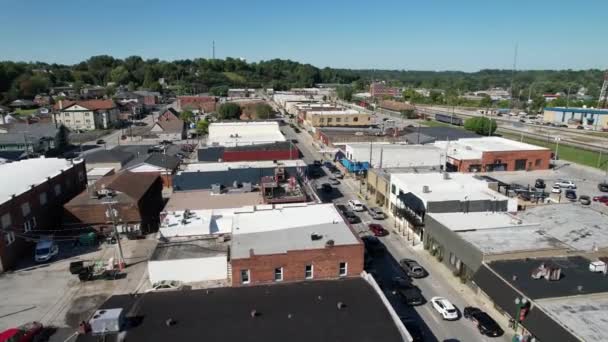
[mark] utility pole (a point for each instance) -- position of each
(213, 49)
(112, 214)
(513, 75)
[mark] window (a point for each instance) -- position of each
(393, 189)
(308, 272)
(30, 224)
(278, 274)
(9, 238)
(321, 120)
(345, 119)
(343, 269)
(520, 164)
(338, 119)
(6, 220)
(537, 162)
(25, 209)
(57, 189)
(355, 119)
(245, 277)
(43, 198)
(328, 120)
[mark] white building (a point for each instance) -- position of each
(244, 133)
(86, 115)
(387, 155)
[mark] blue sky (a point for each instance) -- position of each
(415, 35)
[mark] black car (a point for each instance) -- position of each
(571, 195)
(351, 217)
(540, 184)
(373, 245)
(603, 187)
(326, 187)
(413, 269)
(409, 292)
(413, 328)
(317, 163)
(100, 142)
(486, 325)
(584, 199)
(341, 208)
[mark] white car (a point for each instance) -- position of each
(356, 205)
(563, 183)
(556, 189)
(446, 309)
(166, 285)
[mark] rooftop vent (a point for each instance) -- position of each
(547, 271)
(426, 189)
(170, 322)
(341, 305)
(254, 313)
(315, 236)
(329, 243)
(446, 175)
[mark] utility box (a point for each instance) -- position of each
(597, 266)
(106, 321)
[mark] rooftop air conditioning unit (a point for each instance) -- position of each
(426, 189)
(598, 266)
(216, 189)
(446, 175)
(106, 321)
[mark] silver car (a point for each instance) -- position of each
(376, 213)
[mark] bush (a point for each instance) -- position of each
(229, 111)
(480, 125)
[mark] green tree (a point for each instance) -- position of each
(120, 75)
(186, 116)
(408, 114)
(503, 104)
(481, 125)
(486, 101)
(263, 111)
(345, 93)
(219, 90)
(62, 138)
(229, 111)
(202, 127)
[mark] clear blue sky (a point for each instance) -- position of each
(401, 34)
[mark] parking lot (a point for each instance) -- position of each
(48, 293)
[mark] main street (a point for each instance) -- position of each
(439, 283)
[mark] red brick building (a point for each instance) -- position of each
(204, 103)
(382, 90)
(32, 194)
(282, 150)
(136, 197)
(487, 154)
(293, 243)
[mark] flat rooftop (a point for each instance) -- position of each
(99, 171)
(189, 248)
(287, 227)
(581, 228)
(585, 316)
(395, 155)
(458, 187)
(18, 177)
(473, 148)
(475, 221)
(576, 279)
(296, 312)
(333, 112)
(205, 199)
(509, 240)
(225, 166)
(243, 133)
(192, 223)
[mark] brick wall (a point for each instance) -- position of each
(325, 264)
(285, 154)
(73, 180)
(509, 158)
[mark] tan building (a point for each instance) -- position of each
(378, 184)
(86, 115)
(333, 118)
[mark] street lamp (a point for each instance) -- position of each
(521, 303)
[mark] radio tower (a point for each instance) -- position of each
(213, 50)
(601, 102)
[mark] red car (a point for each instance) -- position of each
(601, 199)
(24, 333)
(377, 229)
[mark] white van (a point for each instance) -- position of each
(45, 250)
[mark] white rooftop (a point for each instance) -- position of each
(288, 227)
(395, 155)
(458, 222)
(99, 171)
(243, 133)
(210, 167)
(194, 223)
(18, 177)
(458, 187)
(473, 148)
(333, 112)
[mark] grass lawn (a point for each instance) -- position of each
(25, 111)
(234, 77)
(569, 153)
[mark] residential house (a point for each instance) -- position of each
(168, 115)
(93, 92)
(86, 115)
(137, 199)
(43, 100)
(130, 111)
(170, 130)
(23, 104)
(148, 98)
(159, 164)
(114, 159)
(32, 194)
(29, 138)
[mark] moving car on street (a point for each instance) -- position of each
(412, 268)
(377, 229)
(376, 213)
(486, 325)
(446, 309)
(356, 205)
(540, 184)
(100, 142)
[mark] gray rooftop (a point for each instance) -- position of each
(189, 248)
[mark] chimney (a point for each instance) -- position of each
(60, 104)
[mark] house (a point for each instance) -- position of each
(343, 310)
(551, 97)
(488, 154)
(159, 164)
(206, 104)
(137, 199)
(148, 98)
(23, 104)
(43, 100)
(126, 97)
(130, 111)
(168, 115)
(244, 133)
(34, 138)
(86, 115)
(63, 92)
(281, 150)
(32, 194)
(93, 92)
(170, 130)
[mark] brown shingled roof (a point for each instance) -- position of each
(135, 185)
(89, 104)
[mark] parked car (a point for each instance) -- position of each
(326, 187)
(377, 229)
(486, 325)
(373, 245)
(410, 293)
(563, 183)
(570, 194)
(166, 285)
(584, 199)
(100, 142)
(356, 205)
(25, 333)
(556, 189)
(45, 250)
(601, 199)
(351, 217)
(446, 309)
(540, 184)
(376, 213)
(412, 268)
(603, 187)
(341, 208)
